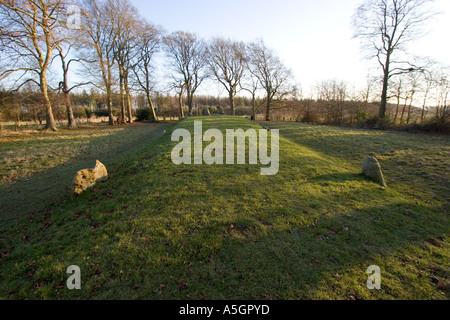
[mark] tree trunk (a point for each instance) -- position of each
(403, 111)
(109, 104)
(180, 103)
(122, 96)
(397, 110)
(190, 100)
(268, 109)
(232, 104)
(254, 106)
(66, 92)
(152, 108)
(408, 119)
(383, 106)
(129, 107)
(422, 116)
(50, 120)
(70, 117)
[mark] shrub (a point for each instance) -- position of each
(101, 113)
(361, 116)
(377, 123)
(243, 111)
(88, 113)
(441, 125)
(144, 114)
(309, 117)
(79, 112)
(414, 128)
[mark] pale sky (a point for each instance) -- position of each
(313, 37)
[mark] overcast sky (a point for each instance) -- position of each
(313, 37)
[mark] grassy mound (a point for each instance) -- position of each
(160, 231)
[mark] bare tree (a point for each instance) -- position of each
(428, 79)
(180, 99)
(414, 83)
(64, 87)
(442, 89)
(251, 84)
(227, 62)
(126, 25)
(333, 94)
(146, 45)
(366, 93)
(385, 27)
(271, 73)
(396, 91)
(187, 54)
(100, 35)
(30, 32)
(406, 99)
(178, 88)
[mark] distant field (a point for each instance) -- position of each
(160, 231)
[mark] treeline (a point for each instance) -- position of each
(115, 48)
(334, 103)
(27, 105)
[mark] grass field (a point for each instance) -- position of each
(160, 231)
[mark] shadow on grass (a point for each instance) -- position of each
(341, 177)
(242, 258)
(51, 186)
(349, 143)
(168, 233)
(418, 160)
(327, 261)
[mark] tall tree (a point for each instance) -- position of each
(187, 54)
(251, 84)
(227, 62)
(31, 31)
(442, 88)
(98, 24)
(333, 94)
(271, 73)
(146, 45)
(180, 93)
(64, 87)
(127, 25)
(397, 91)
(385, 27)
(414, 83)
(366, 92)
(428, 78)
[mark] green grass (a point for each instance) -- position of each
(160, 231)
(39, 166)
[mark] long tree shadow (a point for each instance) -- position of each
(175, 238)
(50, 186)
(301, 262)
(340, 177)
(245, 258)
(419, 161)
(253, 260)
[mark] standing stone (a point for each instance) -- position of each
(372, 169)
(87, 178)
(206, 112)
